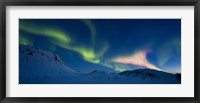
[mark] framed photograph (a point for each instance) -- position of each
(100, 51)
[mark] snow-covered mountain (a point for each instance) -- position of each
(153, 76)
(39, 66)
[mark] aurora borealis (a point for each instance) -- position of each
(108, 44)
(138, 58)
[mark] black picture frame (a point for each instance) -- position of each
(5, 3)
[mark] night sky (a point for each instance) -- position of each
(107, 44)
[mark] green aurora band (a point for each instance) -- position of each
(25, 40)
(42, 30)
(163, 57)
(91, 27)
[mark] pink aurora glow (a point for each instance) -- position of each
(138, 58)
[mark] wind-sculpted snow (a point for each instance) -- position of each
(38, 66)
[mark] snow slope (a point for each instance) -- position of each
(38, 66)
